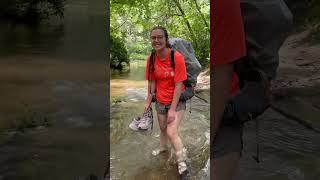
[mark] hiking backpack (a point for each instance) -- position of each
(266, 25)
(193, 67)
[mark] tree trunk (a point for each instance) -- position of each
(202, 16)
(186, 21)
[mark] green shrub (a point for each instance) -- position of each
(117, 99)
(30, 118)
(306, 14)
(30, 11)
(118, 53)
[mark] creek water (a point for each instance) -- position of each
(56, 69)
(288, 150)
(131, 152)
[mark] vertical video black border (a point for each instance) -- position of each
(107, 85)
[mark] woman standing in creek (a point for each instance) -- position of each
(166, 84)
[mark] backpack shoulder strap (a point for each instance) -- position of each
(172, 58)
(152, 59)
(151, 64)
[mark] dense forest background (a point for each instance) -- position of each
(306, 15)
(131, 21)
(30, 11)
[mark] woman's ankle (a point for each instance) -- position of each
(181, 155)
(163, 147)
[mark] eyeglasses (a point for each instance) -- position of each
(153, 38)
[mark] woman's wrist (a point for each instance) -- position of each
(172, 108)
(149, 99)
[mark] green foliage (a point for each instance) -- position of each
(315, 33)
(31, 118)
(138, 50)
(117, 99)
(30, 11)
(306, 13)
(136, 56)
(188, 19)
(118, 53)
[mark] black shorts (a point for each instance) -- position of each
(163, 109)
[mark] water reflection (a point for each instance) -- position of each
(80, 35)
(135, 72)
(58, 69)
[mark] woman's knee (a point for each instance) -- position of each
(163, 128)
(172, 132)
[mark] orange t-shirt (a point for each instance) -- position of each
(166, 77)
(227, 32)
(227, 35)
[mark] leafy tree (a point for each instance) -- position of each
(118, 53)
(30, 10)
(306, 13)
(188, 19)
(304, 10)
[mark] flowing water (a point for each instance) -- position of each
(54, 71)
(130, 151)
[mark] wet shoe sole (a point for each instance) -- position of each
(140, 129)
(184, 175)
(144, 129)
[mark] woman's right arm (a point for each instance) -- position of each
(151, 92)
(151, 85)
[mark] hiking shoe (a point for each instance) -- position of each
(184, 175)
(146, 120)
(134, 125)
(182, 166)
